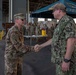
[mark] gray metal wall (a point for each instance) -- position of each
(1, 15)
(19, 6)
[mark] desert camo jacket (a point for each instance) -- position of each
(59, 41)
(15, 43)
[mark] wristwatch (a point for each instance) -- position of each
(67, 60)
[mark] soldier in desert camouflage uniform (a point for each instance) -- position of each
(63, 52)
(15, 47)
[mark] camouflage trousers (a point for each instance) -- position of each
(13, 67)
(72, 70)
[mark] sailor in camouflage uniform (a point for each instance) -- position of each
(63, 52)
(15, 47)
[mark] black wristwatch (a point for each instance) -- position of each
(67, 60)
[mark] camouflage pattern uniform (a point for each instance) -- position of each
(59, 43)
(14, 51)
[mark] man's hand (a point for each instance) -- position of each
(37, 47)
(65, 66)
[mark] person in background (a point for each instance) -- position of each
(63, 51)
(51, 26)
(15, 48)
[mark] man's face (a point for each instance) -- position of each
(56, 13)
(21, 21)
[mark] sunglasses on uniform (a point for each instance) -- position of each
(22, 19)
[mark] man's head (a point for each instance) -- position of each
(19, 18)
(58, 6)
(58, 9)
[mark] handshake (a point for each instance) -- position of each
(36, 48)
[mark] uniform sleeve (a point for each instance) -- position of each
(18, 45)
(70, 31)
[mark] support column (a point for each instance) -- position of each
(10, 11)
(27, 11)
(1, 15)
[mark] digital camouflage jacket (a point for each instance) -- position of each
(65, 29)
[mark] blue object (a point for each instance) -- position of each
(45, 13)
